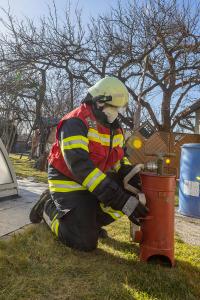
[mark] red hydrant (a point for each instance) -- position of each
(156, 234)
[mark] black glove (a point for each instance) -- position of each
(135, 210)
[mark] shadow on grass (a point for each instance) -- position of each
(125, 277)
(121, 246)
(148, 281)
(121, 275)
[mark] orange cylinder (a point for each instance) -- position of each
(158, 228)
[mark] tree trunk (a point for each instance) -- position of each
(39, 121)
(166, 120)
(71, 80)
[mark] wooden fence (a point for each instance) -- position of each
(159, 143)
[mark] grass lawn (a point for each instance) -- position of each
(24, 168)
(35, 266)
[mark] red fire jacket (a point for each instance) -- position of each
(105, 150)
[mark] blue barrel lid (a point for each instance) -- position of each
(191, 145)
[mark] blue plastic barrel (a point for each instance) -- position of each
(189, 185)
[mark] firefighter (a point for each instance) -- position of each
(86, 167)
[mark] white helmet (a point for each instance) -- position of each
(111, 90)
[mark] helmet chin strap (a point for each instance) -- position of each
(97, 110)
(100, 105)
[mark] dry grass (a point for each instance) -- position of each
(34, 265)
(24, 168)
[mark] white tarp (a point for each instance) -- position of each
(8, 182)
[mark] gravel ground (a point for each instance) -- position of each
(188, 229)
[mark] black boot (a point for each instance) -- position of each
(37, 210)
(103, 234)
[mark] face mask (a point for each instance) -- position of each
(122, 110)
(111, 113)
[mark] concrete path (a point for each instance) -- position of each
(14, 213)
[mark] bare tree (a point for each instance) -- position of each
(153, 48)
(169, 36)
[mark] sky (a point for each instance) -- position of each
(35, 9)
